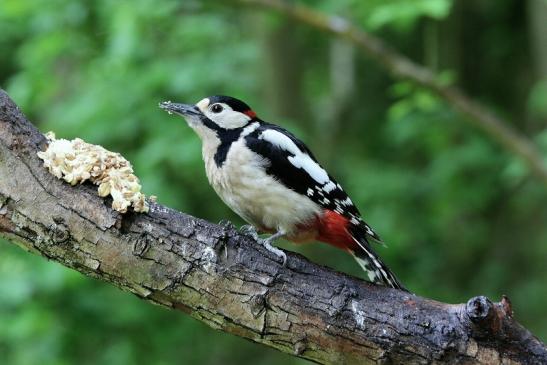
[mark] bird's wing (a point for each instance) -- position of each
(293, 164)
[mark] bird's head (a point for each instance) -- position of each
(215, 114)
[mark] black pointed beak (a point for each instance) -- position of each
(185, 110)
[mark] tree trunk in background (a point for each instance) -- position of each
(284, 58)
(538, 34)
(342, 74)
(537, 10)
(450, 45)
(431, 44)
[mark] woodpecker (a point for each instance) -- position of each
(272, 180)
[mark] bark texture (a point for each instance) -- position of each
(226, 280)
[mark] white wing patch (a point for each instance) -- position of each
(280, 140)
(300, 159)
(347, 202)
(305, 162)
(330, 186)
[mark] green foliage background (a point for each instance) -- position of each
(462, 217)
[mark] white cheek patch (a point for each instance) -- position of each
(227, 118)
(300, 159)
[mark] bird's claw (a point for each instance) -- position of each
(249, 230)
(266, 243)
(226, 224)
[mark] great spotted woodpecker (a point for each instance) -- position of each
(272, 180)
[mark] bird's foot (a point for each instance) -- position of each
(226, 224)
(249, 230)
(267, 243)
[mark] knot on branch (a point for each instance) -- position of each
(258, 305)
(487, 317)
(141, 245)
(3, 205)
(300, 346)
(479, 309)
(58, 231)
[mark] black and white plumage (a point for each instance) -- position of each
(273, 181)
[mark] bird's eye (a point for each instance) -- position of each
(217, 108)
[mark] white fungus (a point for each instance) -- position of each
(77, 161)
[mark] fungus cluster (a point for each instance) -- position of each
(77, 161)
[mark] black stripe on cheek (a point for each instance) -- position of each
(212, 125)
(227, 137)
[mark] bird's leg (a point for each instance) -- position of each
(250, 231)
(266, 242)
(273, 237)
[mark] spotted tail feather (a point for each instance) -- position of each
(376, 270)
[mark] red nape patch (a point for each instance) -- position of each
(250, 113)
(333, 229)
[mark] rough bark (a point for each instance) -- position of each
(226, 280)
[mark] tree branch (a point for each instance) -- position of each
(404, 68)
(229, 282)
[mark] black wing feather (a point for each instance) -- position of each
(280, 166)
(300, 181)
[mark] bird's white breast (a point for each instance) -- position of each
(243, 184)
